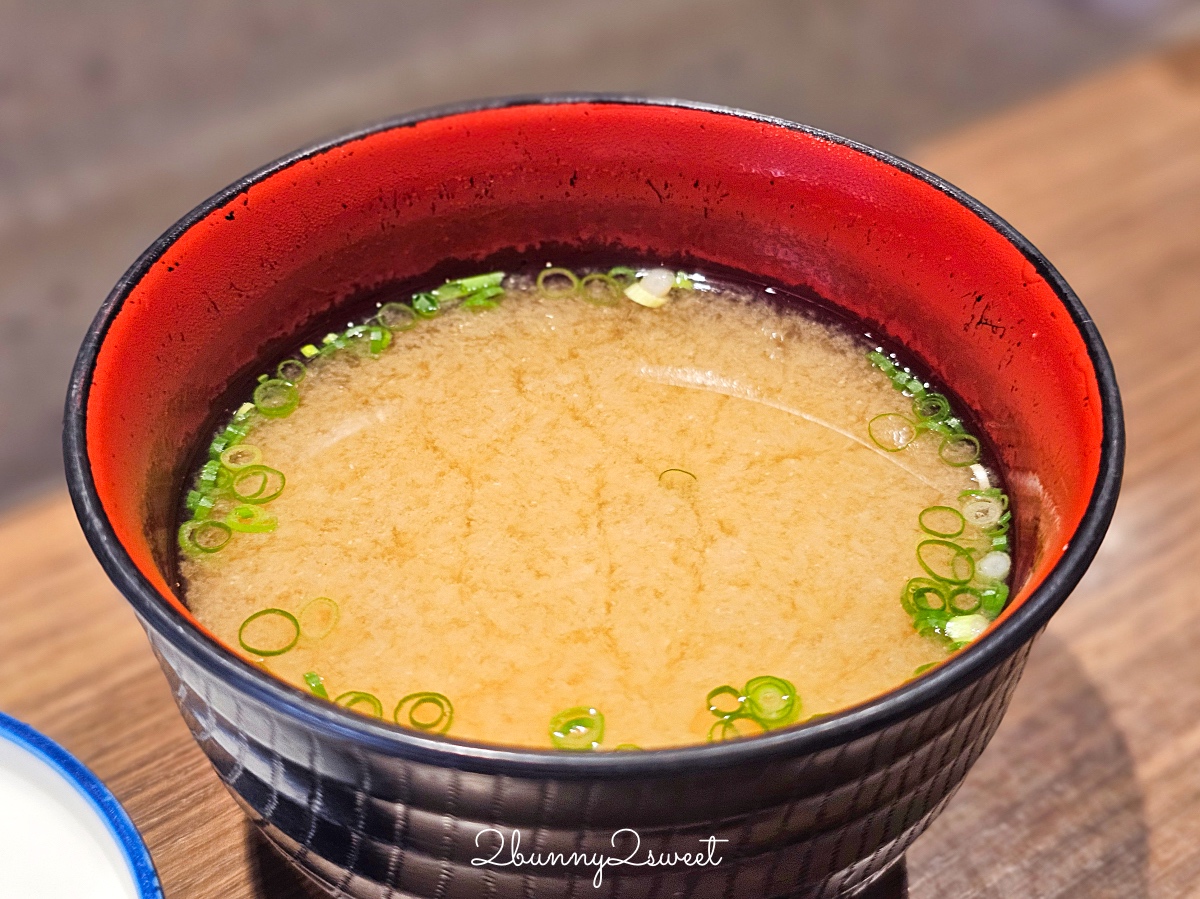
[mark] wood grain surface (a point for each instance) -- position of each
(1091, 787)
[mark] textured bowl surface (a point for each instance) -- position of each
(371, 810)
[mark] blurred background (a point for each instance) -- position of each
(118, 117)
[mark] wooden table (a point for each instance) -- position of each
(1091, 787)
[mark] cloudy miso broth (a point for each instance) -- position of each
(630, 510)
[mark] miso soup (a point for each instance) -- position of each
(593, 510)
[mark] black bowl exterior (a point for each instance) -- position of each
(370, 811)
(371, 824)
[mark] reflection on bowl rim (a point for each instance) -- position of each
(1008, 635)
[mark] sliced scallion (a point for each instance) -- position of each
(293, 371)
(269, 632)
(319, 617)
(205, 536)
(941, 521)
(725, 701)
(557, 283)
(426, 711)
(258, 484)
(579, 729)
(600, 289)
(396, 316)
(361, 702)
(772, 701)
(276, 398)
(959, 450)
(316, 683)
(891, 431)
(238, 457)
(946, 561)
(250, 519)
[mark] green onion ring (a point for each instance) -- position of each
(204, 536)
(627, 747)
(928, 599)
(772, 701)
(276, 398)
(288, 617)
(259, 496)
(623, 275)
(959, 450)
(559, 292)
(414, 703)
(312, 628)
(426, 305)
(250, 519)
(891, 431)
(725, 690)
(957, 552)
(609, 293)
(732, 728)
(965, 600)
(316, 683)
(942, 511)
(241, 455)
(930, 407)
(579, 729)
(396, 316)
(359, 697)
(293, 371)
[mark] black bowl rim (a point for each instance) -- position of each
(331, 720)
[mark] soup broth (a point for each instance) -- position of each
(550, 515)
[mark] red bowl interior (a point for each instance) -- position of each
(644, 180)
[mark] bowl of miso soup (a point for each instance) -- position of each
(514, 489)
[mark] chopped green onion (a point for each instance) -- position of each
(923, 586)
(359, 698)
(965, 628)
(627, 747)
(267, 482)
(928, 599)
(276, 632)
(623, 275)
(425, 711)
(484, 298)
(316, 683)
(941, 521)
(946, 561)
(319, 617)
(734, 701)
(772, 701)
(676, 478)
(921, 669)
(275, 398)
(732, 728)
(479, 282)
(250, 520)
(994, 566)
(891, 431)
(204, 536)
(377, 337)
(237, 457)
(965, 600)
(557, 283)
(983, 511)
(600, 289)
(993, 598)
(930, 407)
(425, 305)
(579, 729)
(396, 316)
(293, 371)
(308, 351)
(959, 450)
(683, 282)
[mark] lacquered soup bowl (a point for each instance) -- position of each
(371, 810)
